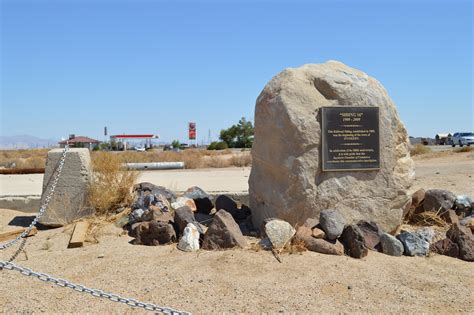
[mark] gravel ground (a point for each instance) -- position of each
(233, 281)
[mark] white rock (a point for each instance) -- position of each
(189, 242)
(279, 233)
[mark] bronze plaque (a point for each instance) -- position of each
(350, 138)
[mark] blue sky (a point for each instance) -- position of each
(152, 66)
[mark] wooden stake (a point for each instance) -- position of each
(79, 234)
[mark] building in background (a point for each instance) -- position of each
(80, 142)
(121, 142)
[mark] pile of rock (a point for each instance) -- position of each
(193, 219)
(457, 211)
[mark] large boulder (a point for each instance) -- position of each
(287, 180)
(69, 201)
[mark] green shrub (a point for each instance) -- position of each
(218, 146)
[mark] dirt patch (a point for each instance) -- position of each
(232, 281)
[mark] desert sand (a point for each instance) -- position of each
(243, 281)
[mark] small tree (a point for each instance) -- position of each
(175, 144)
(240, 135)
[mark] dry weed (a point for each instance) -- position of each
(464, 149)
(419, 149)
(241, 160)
(428, 218)
(111, 185)
(32, 158)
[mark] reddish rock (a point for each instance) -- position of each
(417, 198)
(450, 216)
(371, 233)
(445, 247)
(223, 233)
(304, 234)
(318, 233)
(154, 233)
(463, 237)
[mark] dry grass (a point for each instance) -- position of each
(419, 149)
(428, 218)
(32, 158)
(464, 149)
(192, 158)
(111, 185)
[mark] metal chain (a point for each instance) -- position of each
(93, 292)
(9, 265)
(44, 205)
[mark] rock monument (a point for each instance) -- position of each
(69, 201)
(328, 136)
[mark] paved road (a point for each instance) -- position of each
(231, 180)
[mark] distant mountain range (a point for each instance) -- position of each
(25, 142)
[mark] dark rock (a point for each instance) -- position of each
(390, 245)
(226, 203)
(371, 233)
(247, 228)
(413, 244)
(202, 199)
(332, 222)
(353, 240)
(204, 219)
(154, 233)
(463, 237)
(438, 200)
(155, 190)
(154, 215)
(183, 216)
(304, 235)
(445, 247)
(223, 233)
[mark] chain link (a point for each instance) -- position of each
(94, 292)
(44, 206)
(9, 265)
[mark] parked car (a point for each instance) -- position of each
(462, 138)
